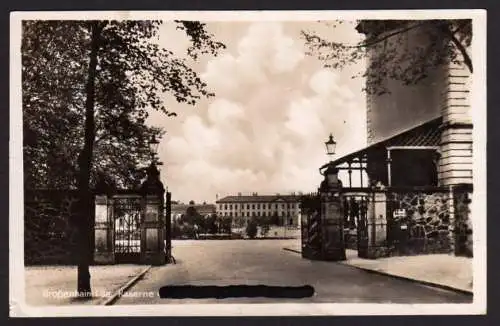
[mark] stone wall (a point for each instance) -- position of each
(418, 223)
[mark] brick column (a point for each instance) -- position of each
(104, 252)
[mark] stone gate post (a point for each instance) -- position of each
(332, 217)
(376, 225)
(104, 252)
(153, 220)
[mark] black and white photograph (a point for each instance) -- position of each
(247, 163)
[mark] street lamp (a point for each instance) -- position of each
(153, 147)
(330, 146)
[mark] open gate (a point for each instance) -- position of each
(362, 226)
(310, 206)
(356, 218)
(128, 217)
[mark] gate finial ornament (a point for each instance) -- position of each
(152, 184)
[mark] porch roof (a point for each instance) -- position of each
(427, 134)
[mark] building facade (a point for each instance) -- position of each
(417, 134)
(418, 159)
(283, 209)
(177, 210)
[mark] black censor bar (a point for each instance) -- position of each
(235, 291)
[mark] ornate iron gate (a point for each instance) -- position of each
(362, 226)
(128, 217)
(355, 212)
(311, 226)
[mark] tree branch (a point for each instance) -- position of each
(403, 30)
(460, 47)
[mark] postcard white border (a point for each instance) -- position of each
(18, 308)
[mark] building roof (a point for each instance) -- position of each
(427, 134)
(258, 198)
(200, 208)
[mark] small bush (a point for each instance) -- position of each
(251, 229)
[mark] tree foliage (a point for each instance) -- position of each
(251, 229)
(133, 74)
(391, 56)
(87, 88)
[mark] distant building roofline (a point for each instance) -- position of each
(258, 198)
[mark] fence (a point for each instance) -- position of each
(49, 236)
(417, 220)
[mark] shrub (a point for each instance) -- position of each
(251, 229)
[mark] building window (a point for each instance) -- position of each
(230, 206)
(248, 206)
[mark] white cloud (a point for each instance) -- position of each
(265, 129)
(303, 117)
(324, 82)
(224, 111)
(265, 49)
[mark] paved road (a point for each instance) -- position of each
(263, 262)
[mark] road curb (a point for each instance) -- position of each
(112, 299)
(293, 250)
(427, 283)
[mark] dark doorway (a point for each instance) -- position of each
(413, 168)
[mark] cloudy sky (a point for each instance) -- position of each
(274, 108)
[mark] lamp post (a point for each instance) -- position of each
(330, 145)
(332, 219)
(153, 148)
(153, 182)
(155, 237)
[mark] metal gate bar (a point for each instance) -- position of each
(127, 212)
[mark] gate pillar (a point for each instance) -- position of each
(332, 217)
(153, 223)
(104, 252)
(376, 227)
